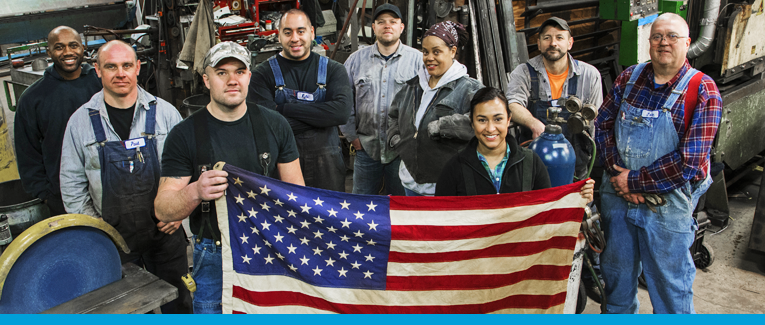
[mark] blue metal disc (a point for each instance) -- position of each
(59, 267)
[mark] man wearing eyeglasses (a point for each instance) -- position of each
(536, 86)
(654, 133)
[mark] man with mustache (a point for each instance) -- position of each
(43, 111)
(313, 94)
(654, 135)
(537, 85)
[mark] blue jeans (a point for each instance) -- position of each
(639, 239)
(411, 193)
(208, 274)
(655, 243)
(368, 175)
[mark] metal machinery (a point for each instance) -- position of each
(70, 264)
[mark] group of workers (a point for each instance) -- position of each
(90, 140)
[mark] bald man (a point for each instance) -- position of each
(654, 133)
(42, 113)
(110, 163)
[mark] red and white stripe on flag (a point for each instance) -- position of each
(506, 253)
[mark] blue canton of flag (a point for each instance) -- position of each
(314, 235)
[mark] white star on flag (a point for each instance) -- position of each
(292, 197)
(345, 205)
(305, 208)
(332, 212)
(269, 259)
(244, 238)
(246, 259)
(239, 199)
(318, 201)
(371, 206)
(264, 190)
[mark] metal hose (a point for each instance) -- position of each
(708, 26)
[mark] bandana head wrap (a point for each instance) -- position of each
(447, 31)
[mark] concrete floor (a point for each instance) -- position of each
(734, 283)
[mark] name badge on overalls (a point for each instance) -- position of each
(134, 143)
(651, 114)
(554, 103)
(304, 96)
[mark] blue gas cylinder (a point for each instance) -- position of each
(557, 154)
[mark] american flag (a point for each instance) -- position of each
(295, 249)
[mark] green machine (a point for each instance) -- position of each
(637, 16)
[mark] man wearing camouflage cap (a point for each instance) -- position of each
(229, 129)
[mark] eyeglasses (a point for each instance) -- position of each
(671, 38)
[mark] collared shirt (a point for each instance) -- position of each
(81, 187)
(690, 162)
(588, 89)
(375, 82)
(496, 174)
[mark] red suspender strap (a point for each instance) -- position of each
(691, 98)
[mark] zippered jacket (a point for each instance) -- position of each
(426, 151)
(452, 180)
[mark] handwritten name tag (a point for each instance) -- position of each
(304, 96)
(134, 143)
(652, 114)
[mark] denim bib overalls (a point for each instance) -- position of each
(638, 239)
(538, 109)
(321, 160)
(130, 178)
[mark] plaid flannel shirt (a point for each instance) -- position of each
(690, 162)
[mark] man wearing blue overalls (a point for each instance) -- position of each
(654, 133)
(110, 167)
(313, 93)
(537, 85)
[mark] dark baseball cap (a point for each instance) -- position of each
(557, 22)
(387, 7)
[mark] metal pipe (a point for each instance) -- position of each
(476, 47)
(708, 26)
(345, 28)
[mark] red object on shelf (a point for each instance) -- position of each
(236, 32)
(255, 10)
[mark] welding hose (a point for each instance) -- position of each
(603, 300)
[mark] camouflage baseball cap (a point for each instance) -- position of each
(227, 50)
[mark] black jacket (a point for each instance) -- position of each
(41, 116)
(423, 154)
(452, 180)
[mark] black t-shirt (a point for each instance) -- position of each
(303, 76)
(121, 119)
(231, 142)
